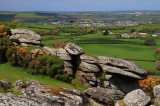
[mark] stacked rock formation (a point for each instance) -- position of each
(70, 55)
(120, 76)
(25, 37)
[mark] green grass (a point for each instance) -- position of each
(157, 43)
(123, 51)
(145, 64)
(12, 74)
(41, 26)
(50, 42)
(107, 41)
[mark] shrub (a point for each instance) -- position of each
(150, 42)
(19, 56)
(90, 31)
(4, 31)
(48, 65)
(106, 32)
(59, 44)
(148, 84)
(3, 50)
(5, 43)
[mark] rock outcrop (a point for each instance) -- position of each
(73, 49)
(110, 74)
(121, 67)
(104, 96)
(25, 37)
(137, 98)
(35, 93)
(156, 91)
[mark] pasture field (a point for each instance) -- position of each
(40, 27)
(123, 51)
(19, 73)
(100, 45)
(145, 64)
(50, 42)
(105, 40)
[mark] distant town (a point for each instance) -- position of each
(90, 23)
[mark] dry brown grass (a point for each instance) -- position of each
(59, 44)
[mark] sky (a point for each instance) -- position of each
(78, 5)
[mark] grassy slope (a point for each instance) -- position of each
(99, 45)
(12, 74)
(122, 51)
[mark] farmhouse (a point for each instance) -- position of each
(126, 36)
(135, 34)
(156, 34)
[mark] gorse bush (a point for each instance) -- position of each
(48, 65)
(3, 50)
(5, 42)
(19, 56)
(148, 84)
(45, 64)
(4, 31)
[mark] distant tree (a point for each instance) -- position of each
(90, 31)
(150, 41)
(106, 32)
(133, 30)
(141, 28)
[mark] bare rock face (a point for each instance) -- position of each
(68, 70)
(14, 100)
(120, 71)
(88, 59)
(50, 50)
(63, 54)
(137, 98)
(88, 79)
(103, 95)
(156, 91)
(90, 68)
(122, 67)
(73, 49)
(25, 37)
(35, 93)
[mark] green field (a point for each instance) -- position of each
(100, 45)
(123, 51)
(50, 42)
(40, 27)
(16, 73)
(100, 40)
